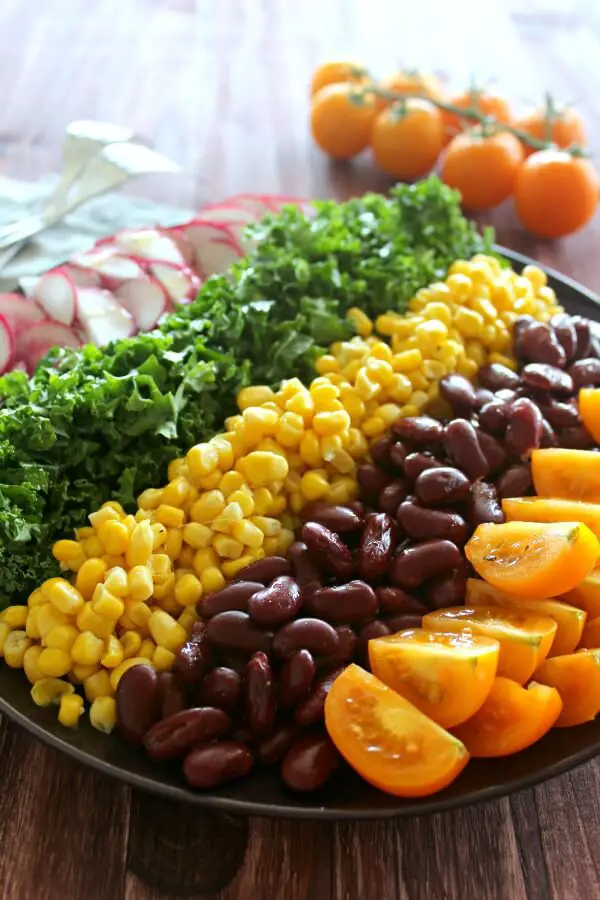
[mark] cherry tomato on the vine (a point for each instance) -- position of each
(483, 169)
(424, 84)
(565, 128)
(335, 72)
(556, 193)
(483, 102)
(341, 120)
(407, 139)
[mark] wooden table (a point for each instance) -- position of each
(221, 86)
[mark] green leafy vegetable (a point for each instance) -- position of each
(105, 422)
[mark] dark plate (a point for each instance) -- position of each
(347, 797)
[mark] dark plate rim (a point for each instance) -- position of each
(218, 803)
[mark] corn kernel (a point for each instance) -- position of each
(87, 649)
(31, 626)
(187, 619)
(163, 659)
(262, 468)
(48, 617)
(70, 710)
(362, 323)
(205, 559)
(46, 691)
(207, 507)
(254, 396)
(114, 537)
(90, 574)
(31, 663)
(52, 662)
(93, 547)
(285, 539)
(113, 652)
(67, 552)
(97, 685)
(365, 387)
(105, 514)
(65, 597)
(160, 535)
(141, 543)
(36, 598)
(389, 412)
(62, 637)
(171, 516)
(188, 590)
(328, 423)
(15, 616)
(230, 482)
(210, 482)
(212, 579)
(202, 460)
(278, 506)
(174, 543)
(151, 498)
(314, 485)
(103, 714)
(373, 427)
(131, 642)
(116, 674)
(503, 360)
(231, 567)
(268, 525)
(139, 613)
(227, 546)
(79, 673)
(116, 582)
(106, 604)
(270, 546)
(166, 631)
(309, 449)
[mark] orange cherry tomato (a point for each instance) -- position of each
(576, 677)
(586, 595)
(387, 740)
(567, 474)
(511, 719)
(565, 128)
(336, 71)
(407, 139)
(590, 639)
(589, 409)
(546, 509)
(483, 169)
(446, 676)
(569, 619)
(525, 638)
(423, 84)
(341, 120)
(534, 560)
(483, 102)
(555, 193)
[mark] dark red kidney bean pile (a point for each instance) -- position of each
(249, 687)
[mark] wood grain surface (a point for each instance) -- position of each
(221, 86)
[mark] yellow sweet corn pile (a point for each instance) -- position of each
(234, 499)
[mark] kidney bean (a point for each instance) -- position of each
(376, 547)
(345, 650)
(496, 377)
(420, 431)
(514, 482)
(442, 485)
(311, 710)
(392, 496)
(462, 445)
(295, 678)
(245, 734)
(303, 565)
(372, 480)
(459, 393)
(560, 414)
(421, 523)
(543, 377)
(493, 451)
(521, 324)
(336, 518)
(376, 629)
(446, 590)
(276, 604)
(273, 748)
(482, 397)
(380, 452)
(137, 702)
(309, 762)
(549, 436)
(575, 438)
(356, 507)
(314, 635)
(327, 548)
(222, 688)
(403, 621)
(195, 658)
(415, 463)
(235, 631)
(173, 737)
(354, 601)
(538, 343)
(171, 694)
(565, 334)
(259, 690)
(493, 417)
(234, 596)
(393, 600)
(484, 505)
(524, 430)
(209, 765)
(398, 454)
(582, 330)
(585, 373)
(265, 570)
(506, 396)
(414, 565)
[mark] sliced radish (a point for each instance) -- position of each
(112, 266)
(144, 299)
(19, 312)
(215, 247)
(102, 317)
(182, 243)
(256, 205)
(56, 293)
(80, 276)
(227, 212)
(238, 231)
(7, 345)
(149, 243)
(31, 345)
(180, 283)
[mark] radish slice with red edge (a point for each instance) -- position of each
(19, 312)
(215, 247)
(180, 283)
(102, 317)
(32, 344)
(227, 212)
(148, 243)
(80, 276)
(111, 265)
(182, 244)
(144, 299)
(56, 293)
(7, 345)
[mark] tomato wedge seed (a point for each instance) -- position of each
(387, 740)
(445, 675)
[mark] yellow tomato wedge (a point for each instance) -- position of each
(589, 409)
(511, 719)
(547, 509)
(387, 740)
(568, 474)
(533, 560)
(446, 676)
(576, 677)
(586, 595)
(525, 638)
(569, 619)
(590, 639)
